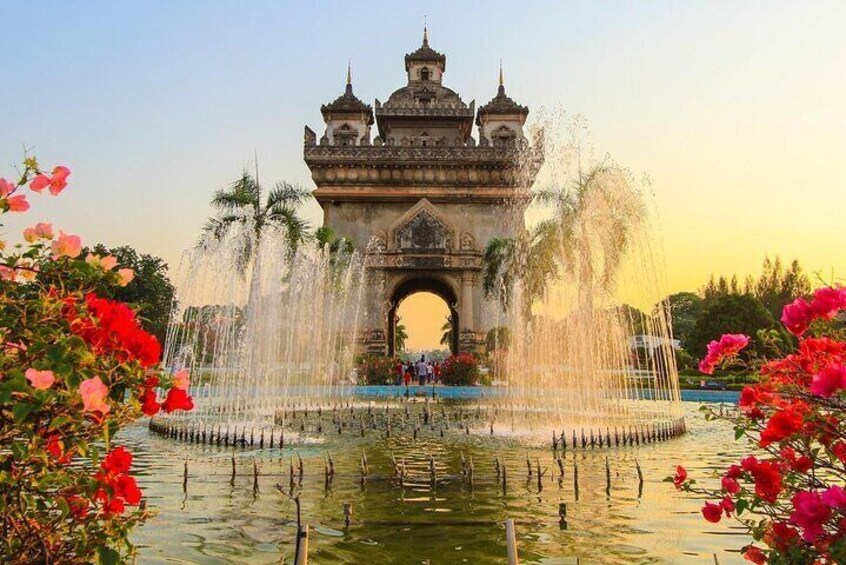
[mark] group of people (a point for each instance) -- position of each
(422, 372)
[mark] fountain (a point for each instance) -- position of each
(269, 332)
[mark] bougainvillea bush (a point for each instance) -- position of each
(74, 369)
(374, 369)
(460, 370)
(789, 490)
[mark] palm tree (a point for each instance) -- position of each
(586, 238)
(446, 338)
(530, 258)
(400, 335)
(340, 249)
(594, 221)
(243, 203)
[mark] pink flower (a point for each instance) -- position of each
(799, 314)
(40, 380)
(94, 394)
(66, 246)
(829, 381)
(181, 379)
(17, 203)
(40, 230)
(44, 230)
(834, 497)
(728, 346)
(6, 187)
(57, 182)
(828, 301)
(809, 514)
(680, 477)
(126, 276)
(106, 263)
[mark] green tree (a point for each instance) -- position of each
(151, 291)
(498, 338)
(777, 286)
(683, 309)
(243, 203)
(446, 338)
(634, 320)
(732, 313)
(400, 335)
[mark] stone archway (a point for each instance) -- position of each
(424, 283)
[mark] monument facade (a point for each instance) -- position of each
(422, 198)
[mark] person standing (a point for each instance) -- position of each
(421, 371)
(430, 373)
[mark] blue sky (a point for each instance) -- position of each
(737, 111)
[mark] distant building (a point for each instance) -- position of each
(652, 342)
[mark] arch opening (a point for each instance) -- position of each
(432, 302)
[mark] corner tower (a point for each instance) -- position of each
(422, 199)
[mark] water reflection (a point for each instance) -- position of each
(448, 520)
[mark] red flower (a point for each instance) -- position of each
(118, 461)
(727, 505)
(730, 485)
(56, 448)
(149, 403)
(767, 478)
(117, 488)
(680, 476)
(111, 327)
(712, 512)
(781, 536)
(781, 425)
(839, 451)
(177, 399)
(755, 555)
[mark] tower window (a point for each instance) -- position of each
(424, 74)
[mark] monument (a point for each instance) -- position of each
(422, 198)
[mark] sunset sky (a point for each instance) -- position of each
(736, 111)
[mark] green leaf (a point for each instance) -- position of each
(107, 556)
(63, 506)
(21, 410)
(738, 433)
(740, 506)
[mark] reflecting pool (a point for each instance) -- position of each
(456, 520)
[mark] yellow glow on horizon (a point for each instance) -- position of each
(423, 314)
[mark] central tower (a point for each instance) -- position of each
(422, 199)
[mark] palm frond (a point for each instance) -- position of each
(286, 194)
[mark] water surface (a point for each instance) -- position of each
(222, 521)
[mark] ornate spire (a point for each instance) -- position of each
(425, 32)
(349, 78)
(501, 89)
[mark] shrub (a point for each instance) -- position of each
(74, 368)
(788, 492)
(375, 369)
(460, 370)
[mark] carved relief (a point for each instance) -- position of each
(422, 233)
(468, 242)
